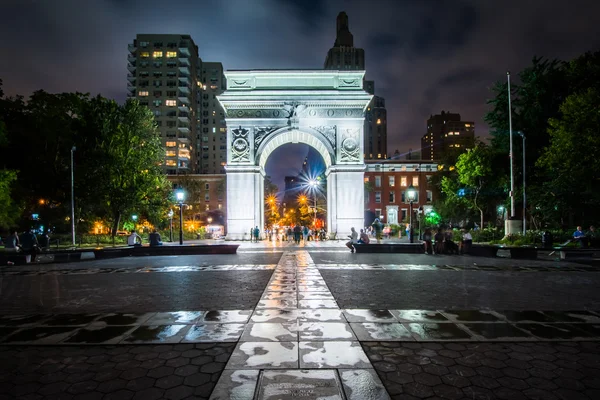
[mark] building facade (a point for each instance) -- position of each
(162, 76)
(211, 152)
(447, 135)
(388, 181)
(167, 76)
(344, 56)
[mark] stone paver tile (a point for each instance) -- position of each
(376, 331)
(214, 333)
(175, 318)
(497, 331)
(362, 384)
(318, 331)
(100, 335)
(225, 317)
(157, 334)
(321, 314)
(342, 354)
(318, 304)
(281, 303)
(249, 355)
(236, 384)
(270, 332)
(274, 315)
(428, 331)
(358, 315)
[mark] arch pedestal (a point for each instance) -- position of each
(267, 109)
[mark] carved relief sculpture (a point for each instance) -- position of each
(240, 149)
(328, 131)
(349, 146)
(260, 133)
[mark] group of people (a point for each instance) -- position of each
(28, 243)
(296, 233)
(443, 243)
(591, 238)
(135, 240)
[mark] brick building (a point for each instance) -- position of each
(389, 181)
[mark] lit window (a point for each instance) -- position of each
(214, 130)
(171, 54)
(171, 153)
(378, 121)
(467, 125)
(392, 181)
(171, 144)
(171, 163)
(220, 206)
(157, 54)
(171, 103)
(415, 181)
(366, 179)
(379, 155)
(143, 93)
(144, 54)
(403, 181)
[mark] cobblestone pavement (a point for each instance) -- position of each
(103, 372)
(213, 290)
(324, 322)
(487, 370)
(354, 288)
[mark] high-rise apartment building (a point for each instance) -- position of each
(447, 135)
(162, 76)
(343, 56)
(211, 152)
(166, 75)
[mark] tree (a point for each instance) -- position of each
(476, 183)
(573, 185)
(9, 212)
(127, 151)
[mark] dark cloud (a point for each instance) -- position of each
(425, 56)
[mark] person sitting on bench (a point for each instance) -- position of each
(134, 240)
(155, 239)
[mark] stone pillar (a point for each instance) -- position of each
(244, 199)
(347, 197)
(331, 203)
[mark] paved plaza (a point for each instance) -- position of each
(278, 321)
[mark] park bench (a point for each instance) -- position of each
(483, 250)
(142, 251)
(407, 248)
(570, 253)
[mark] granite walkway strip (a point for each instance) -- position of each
(298, 344)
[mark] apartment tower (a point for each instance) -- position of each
(447, 136)
(344, 56)
(166, 75)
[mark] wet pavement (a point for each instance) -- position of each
(308, 323)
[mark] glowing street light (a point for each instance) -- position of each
(180, 196)
(411, 194)
(170, 214)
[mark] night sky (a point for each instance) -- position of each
(424, 55)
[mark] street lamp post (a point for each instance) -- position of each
(314, 183)
(411, 194)
(180, 195)
(524, 195)
(170, 214)
(134, 218)
(72, 197)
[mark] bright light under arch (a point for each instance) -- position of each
(294, 136)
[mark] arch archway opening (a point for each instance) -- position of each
(295, 189)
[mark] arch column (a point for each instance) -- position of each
(245, 206)
(345, 198)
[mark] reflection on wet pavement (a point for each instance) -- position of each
(437, 332)
(214, 333)
(106, 335)
(157, 334)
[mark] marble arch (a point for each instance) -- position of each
(266, 109)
